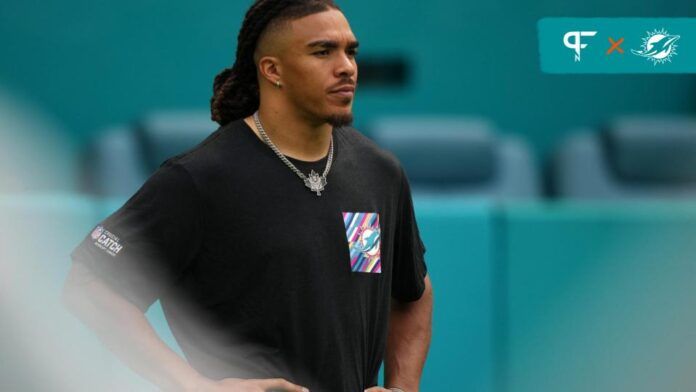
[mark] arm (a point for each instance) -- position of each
(408, 341)
(124, 329)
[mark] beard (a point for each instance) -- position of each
(340, 120)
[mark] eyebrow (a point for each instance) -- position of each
(330, 44)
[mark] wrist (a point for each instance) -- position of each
(195, 383)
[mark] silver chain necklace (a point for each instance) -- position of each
(314, 182)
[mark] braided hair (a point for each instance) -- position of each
(236, 89)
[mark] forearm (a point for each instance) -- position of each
(408, 341)
(125, 330)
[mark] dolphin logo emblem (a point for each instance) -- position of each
(368, 242)
(658, 46)
(363, 234)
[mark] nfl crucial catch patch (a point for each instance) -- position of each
(364, 239)
(106, 241)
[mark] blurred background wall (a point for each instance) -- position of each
(95, 63)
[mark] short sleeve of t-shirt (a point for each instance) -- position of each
(409, 270)
(143, 247)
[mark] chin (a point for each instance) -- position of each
(338, 120)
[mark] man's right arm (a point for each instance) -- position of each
(125, 330)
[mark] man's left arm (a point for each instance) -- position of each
(410, 328)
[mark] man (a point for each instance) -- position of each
(283, 248)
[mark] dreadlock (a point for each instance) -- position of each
(236, 89)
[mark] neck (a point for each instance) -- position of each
(294, 135)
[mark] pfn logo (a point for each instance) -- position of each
(576, 43)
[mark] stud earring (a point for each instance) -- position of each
(277, 83)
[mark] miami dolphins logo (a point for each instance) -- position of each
(364, 237)
(368, 242)
(659, 47)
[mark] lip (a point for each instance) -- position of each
(344, 91)
(345, 94)
(345, 87)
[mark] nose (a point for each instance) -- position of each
(346, 66)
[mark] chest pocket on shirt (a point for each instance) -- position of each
(364, 241)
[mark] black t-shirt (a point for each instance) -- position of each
(258, 276)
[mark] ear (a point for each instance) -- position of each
(270, 69)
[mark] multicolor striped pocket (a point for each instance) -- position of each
(364, 241)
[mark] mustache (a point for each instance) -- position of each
(344, 83)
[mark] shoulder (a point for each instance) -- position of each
(368, 151)
(218, 149)
(209, 147)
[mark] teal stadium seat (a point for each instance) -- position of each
(633, 158)
(459, 156)
(120, 159)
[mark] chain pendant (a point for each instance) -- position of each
(315, 182)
